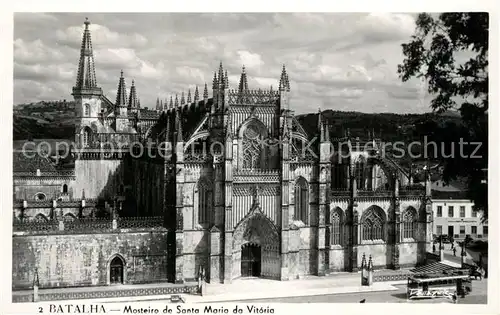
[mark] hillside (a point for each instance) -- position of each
(55, 120)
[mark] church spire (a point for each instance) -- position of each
(157, 103)
(221, 77)
(189, 97)
(132, 101)
(121, 94)
(86, 79)
(183, 100)
(205, 94)
(196, 95)
(176, 101)
(171, 104)
(215, 82)
(243, 87)
(284, 82)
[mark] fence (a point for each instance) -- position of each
(88, 225)
(101, 294)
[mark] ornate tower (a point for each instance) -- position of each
(121, 111)
(86, 93)
(133, 103)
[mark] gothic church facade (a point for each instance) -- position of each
(240, 186)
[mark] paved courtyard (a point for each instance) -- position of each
(478, 296)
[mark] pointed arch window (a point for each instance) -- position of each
(373, 225)
(86, 137)
(301, 200)
(65, 189)
(86, 110)
(360, 174)
(336, 228)
(40, 218)
(204, 194)
(409, 223)
(252, 148)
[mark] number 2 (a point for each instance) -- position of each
(40, 309)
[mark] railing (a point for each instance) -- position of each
(256, 176)
(412, 190)
(340, 192)
(374, 193)
(99, 293)
(90, 225)
(253, 97)
(35, 226)
(49, 203)
(87, 224)
(45, 174)
(140, 222)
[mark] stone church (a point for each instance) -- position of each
(231, 184)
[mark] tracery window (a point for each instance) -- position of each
(86, 137)
(86, 110)
(336, 232)
(409, 223)
(301, 200)
(252, 148)
(204, 191)
(373, 225)
(359, 169)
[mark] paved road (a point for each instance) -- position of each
(478, 296)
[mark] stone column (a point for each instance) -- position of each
(370, 271)
(215, 255)
(36, 284)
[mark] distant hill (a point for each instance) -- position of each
(55, 120)
(44, 120)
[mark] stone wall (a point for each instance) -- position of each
(99, 178)
(50, 186)
(83, 260)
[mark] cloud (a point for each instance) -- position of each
(101, 35)
(344, 61)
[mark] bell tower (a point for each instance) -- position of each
(86, 93)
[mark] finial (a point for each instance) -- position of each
(132, 82)
(86, 23)
(121, 73)
(243, 69)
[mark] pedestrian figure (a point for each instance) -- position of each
(433, 248)
(452, 246)
(455, 298)
(454, 251)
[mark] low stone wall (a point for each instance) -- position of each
(71, 260)
(100, 294)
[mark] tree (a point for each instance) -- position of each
(450, 52)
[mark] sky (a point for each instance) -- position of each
(339, 61)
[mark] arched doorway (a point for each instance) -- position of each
(116, 271)
(250, 260)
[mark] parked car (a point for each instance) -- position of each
(446, 239)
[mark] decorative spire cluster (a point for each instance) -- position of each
(121, 95)
(86, 78)
(189, 97)
(284, 81)
(133, 102)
